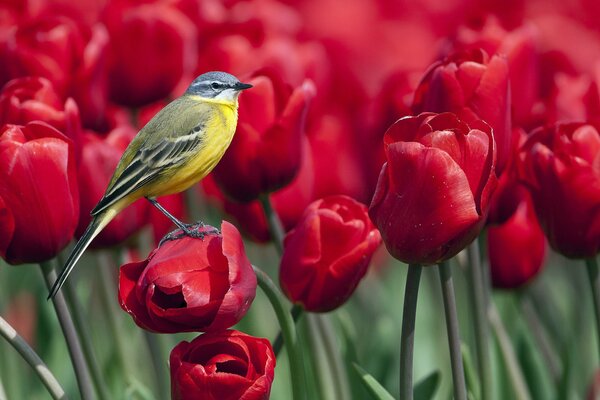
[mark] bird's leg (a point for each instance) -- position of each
(190, 230)
(180, 225)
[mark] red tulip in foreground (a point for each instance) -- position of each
(39, 201)
(433, 192)
(190, 284)
(226, 365)
(326, 255)
(562, 171)
(474, 87)
(266, 151)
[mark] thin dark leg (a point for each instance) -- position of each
(177, 222)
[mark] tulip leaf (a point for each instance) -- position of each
(470, 374)
(374, 388)
(137, 391)
(425, 389)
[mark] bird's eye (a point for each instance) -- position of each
(215, 85)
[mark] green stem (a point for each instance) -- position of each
(458, 374)
(273, 222)
(86, 339)
(540, 336)
(479, 303)
(513, 367)
(31, 357)
(80, 366)
(288, 330)
(318, 358)
(159, 362)
(297, 311)
(407, 338)
(108, 295)
(592, 268)
(334, 358)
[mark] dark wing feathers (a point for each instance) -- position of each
(150, 160)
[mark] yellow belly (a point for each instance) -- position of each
(219, 133)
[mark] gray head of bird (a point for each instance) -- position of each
(217, 85)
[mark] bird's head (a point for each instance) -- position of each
(217, 85)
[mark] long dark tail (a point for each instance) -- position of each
(90, 233)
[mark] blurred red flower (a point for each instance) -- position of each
(517, 246)
(39, 192)
(561, 168)
(99, 158)
(266, 151)
(434, 190)
(326, 255)
(225, 365)
(474, 87)
(23, 100)
(152, 49)
(190, 284)
(521, 48)
(67, 53)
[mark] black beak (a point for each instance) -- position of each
(242, 86)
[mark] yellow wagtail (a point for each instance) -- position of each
(175, 150)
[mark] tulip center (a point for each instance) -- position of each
(234, 366)
(168, 300)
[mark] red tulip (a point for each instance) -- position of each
(225, 365)
(38, 191)
(520, 46)
(99, 159)
(474, 88)
(433, 193)
(152, 49)
(266, 151)
(326, 255)
(190, 284)
(561, 168)
(67, 53)
(516, 248)
(23, 100)
(289, 203)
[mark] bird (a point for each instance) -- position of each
(178, 147)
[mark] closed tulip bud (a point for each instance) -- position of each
(99, 158)
(224, 365)
(266, 151)
(433, 192)
(39, 205)
(516, 248)
(561, 168)
(190, 284)
(327, 254)
(474, 87)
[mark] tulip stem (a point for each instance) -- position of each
(592, 268)
(515, 373)
(86, 340)
(31, 357)
(273, 222)
(82, 372)
(297, 311)
(458, 374)
(479, 304)
(288, 330)
(407, 338)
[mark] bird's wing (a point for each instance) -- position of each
(160, 146)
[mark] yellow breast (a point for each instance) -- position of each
(220, 125)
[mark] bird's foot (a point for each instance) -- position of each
(197, 230)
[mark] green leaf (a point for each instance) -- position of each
(470, 374)
(374, 388)
(138, 391)
(425, 389)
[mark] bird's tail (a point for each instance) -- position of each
(93, 229)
